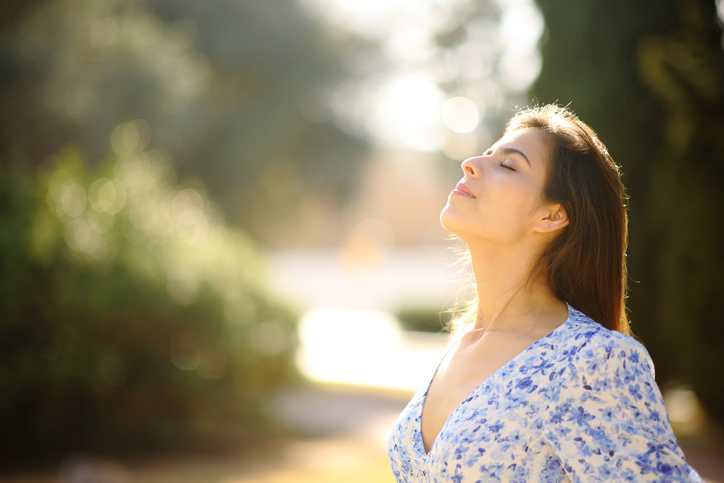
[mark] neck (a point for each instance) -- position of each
(509, 297)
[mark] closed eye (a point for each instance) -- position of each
(503, 165)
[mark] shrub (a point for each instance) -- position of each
(423, 320)
(131, 315)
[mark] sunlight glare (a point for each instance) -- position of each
(376, 18)
(500, 57)
(407, 112)
(521, 61)
(365, 348)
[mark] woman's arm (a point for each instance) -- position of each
(609, 422)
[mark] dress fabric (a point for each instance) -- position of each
(579, 405)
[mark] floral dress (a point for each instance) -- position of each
(580, 405)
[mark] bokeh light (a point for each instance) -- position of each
(461, 146)
(182, 185)
(407, 113)
(460, 114)
(521, 27)
(489, 63)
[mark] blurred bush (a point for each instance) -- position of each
(423, 320)
(131, 315)
(239, 93)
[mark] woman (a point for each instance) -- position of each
(541, 382)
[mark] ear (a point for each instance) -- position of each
(553, 217)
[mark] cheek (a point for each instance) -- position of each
(505, 212)
(521, 198)
(510, 199)
(513, 211)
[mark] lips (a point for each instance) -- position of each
(463, 190)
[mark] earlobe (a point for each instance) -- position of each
(554, 219)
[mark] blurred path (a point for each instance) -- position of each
(346, 431)
(342, 438)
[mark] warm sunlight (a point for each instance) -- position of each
(366, 348)
(404, 109)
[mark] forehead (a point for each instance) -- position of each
(530, 141)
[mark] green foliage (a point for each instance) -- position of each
(423, 320)
(649, 77)
(132, 316)
(235, 92)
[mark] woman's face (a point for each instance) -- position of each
(499, 198)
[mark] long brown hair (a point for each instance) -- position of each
(586, 264)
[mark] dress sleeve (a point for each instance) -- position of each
(607, 420)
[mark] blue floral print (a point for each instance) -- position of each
(579, 405)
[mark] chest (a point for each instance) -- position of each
(458, 376)
(495, 434)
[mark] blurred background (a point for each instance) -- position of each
(220, 255)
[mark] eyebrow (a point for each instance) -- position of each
(508, 151)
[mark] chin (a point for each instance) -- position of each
(449, 220)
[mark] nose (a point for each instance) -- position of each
(470, 168)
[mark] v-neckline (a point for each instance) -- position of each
(420, 441)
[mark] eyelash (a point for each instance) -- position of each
(502, 165)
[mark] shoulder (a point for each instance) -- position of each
(604, 371)
(605, 418)
(587, 344)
